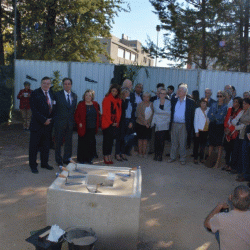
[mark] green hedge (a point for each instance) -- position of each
(6, 91)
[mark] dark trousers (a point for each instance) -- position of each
(124, 131)
(109, 134)
(229, 146)
(246, 159)
(236, 161)
(39, 140)
(86, 146)
(63, 133)
(160, 137)
(200, 143)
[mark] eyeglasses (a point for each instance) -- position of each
(219, 96)
(163, 93)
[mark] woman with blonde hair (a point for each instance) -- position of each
(144, 114)
(87, 118)
(216, 115)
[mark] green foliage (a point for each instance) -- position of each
(131, 72)
(194, 29)
(66, 30)
(56, 81)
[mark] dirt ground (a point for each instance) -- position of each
(175, 198)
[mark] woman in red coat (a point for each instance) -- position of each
(87, 117)
(230, 132)
(111, 116)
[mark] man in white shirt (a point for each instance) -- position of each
(182, 122)
(234, 226)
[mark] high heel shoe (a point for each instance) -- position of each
(124, 158)
(106, 162)
(118, 159)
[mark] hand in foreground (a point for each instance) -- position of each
(48, 121)
(222, 205)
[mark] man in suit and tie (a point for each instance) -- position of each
(208, 94)
(66, 102)
(42, 106)
(182, 121)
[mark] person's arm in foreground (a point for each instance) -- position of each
(215, 211)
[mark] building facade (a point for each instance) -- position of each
(125, 51)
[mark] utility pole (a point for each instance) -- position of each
(158, 28)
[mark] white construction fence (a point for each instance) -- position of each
(97, 76)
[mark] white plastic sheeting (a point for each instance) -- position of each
(97, 76)
(85, 76)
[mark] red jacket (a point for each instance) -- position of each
(111, 111)
(24, 101)
(80, 117)
(227, 124)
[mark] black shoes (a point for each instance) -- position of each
(66, 162)
(47, 167)
(34, 171)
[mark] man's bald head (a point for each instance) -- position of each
(241, 198)
(127, 84)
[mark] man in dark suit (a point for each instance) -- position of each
(42, 106)
(208, 94)
(182, 120)
(66, 102)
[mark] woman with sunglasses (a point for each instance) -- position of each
(216, 115)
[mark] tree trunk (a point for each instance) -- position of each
(1, 36)
(50, 28)
(203, 21)
(246, 31)
(241, 39)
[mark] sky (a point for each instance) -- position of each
(138, 24)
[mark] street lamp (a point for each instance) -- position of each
(158, 28)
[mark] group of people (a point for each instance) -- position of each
(134, 118)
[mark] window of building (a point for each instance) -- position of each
(127, 55)
(132, 57)
(120, 53)
(145, 59)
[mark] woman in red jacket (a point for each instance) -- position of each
(230, 132)
(24, 97)
(111, 116)
(87, 118)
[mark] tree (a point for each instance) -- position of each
(192, 29)
(204, 31)
(66, 30)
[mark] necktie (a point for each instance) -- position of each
(68, 100)
(48, 102)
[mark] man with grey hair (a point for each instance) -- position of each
(246, 94)
(127, 84)
(228, 87)
(208, 94)
(182, 122)
(232, 227)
